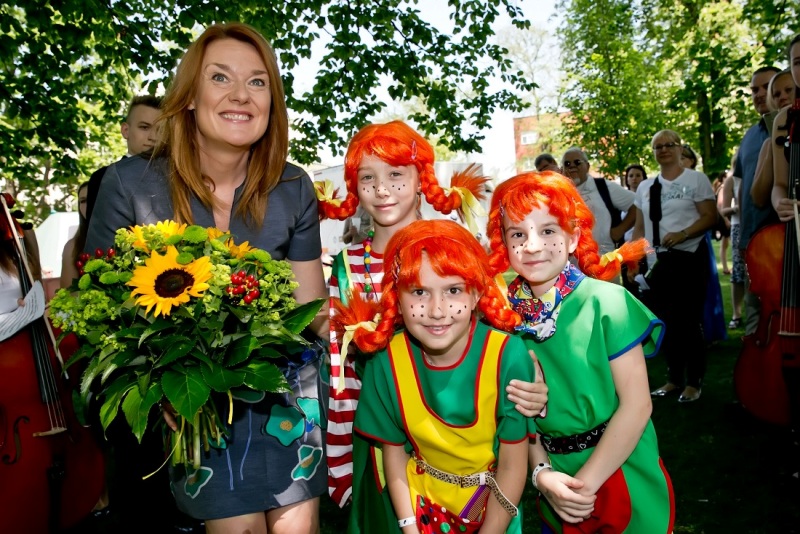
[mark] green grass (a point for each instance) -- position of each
(730, 471)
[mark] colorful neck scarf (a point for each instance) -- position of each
(539, 314)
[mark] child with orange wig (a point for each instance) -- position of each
(388, 167)
(433, 387)
(596, 459)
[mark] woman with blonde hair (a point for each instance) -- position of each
(676, 209)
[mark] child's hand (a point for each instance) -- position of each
(530, 397)
(561, 491)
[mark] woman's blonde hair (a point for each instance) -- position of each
(179, 141)
(772, 104)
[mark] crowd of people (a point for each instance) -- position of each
(456, 369)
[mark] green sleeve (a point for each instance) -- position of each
(626, 321)
(377, 415)
(515, 363)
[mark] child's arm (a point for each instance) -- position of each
(625, 428)
(560, 489)
(530, 397)
(511, 475)
(395, 460)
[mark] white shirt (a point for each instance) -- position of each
(10, 291)
(679, 199)
(622, 199)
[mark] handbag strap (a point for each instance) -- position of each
(655, 209)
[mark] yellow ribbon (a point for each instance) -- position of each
(349, 332)
(470, 207)
(608, 257)
(325, 192)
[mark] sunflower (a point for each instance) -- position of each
(163, 282)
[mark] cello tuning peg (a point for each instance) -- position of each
(27, 225)
(18, 214)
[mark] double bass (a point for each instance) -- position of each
(52, 469)
(767, 370)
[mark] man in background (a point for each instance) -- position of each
(751, 217)
(139, 132)
(607, 200)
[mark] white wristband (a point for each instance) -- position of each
(537, 470)
(407, 521)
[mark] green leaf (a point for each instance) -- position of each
(158, 325)
(178, 349)
(299, 318)
(186, 390)
(137, 408)
(113, 395)
(221, 379)
(265, 376)
(240, 349)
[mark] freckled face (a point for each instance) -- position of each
(538, 248)
(438, 312)
(388, 193)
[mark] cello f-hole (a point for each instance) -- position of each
(7, 458)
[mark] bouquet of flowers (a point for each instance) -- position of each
(173, 313)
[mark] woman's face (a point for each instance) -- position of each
(634, 178)
(83, 194)
(783, 91)
(667, 151)
(233, 98)
(795, 61)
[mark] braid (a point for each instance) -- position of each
(494, 306)
(345, 209)
(434, 194)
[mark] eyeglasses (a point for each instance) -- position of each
(573, 163)
(665, 145)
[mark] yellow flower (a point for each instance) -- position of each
(237, 251)
(165, 228)
(163, 282)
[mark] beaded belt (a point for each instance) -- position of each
(485, 478)
(574, 443)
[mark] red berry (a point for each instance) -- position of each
(79, 264)
(248, 299)
(251, 278)
(111, 253)
(238, 290)
(84, 257)
(99, 252)
(255, 293)
(242, 274)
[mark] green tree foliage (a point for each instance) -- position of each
(69, 67)
(613, 87)
(637, 66)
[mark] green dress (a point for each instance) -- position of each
(599, 321)
(451, 397)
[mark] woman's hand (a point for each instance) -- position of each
(671, 239)
(561, 491)
(530, 397)
(785, 209)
